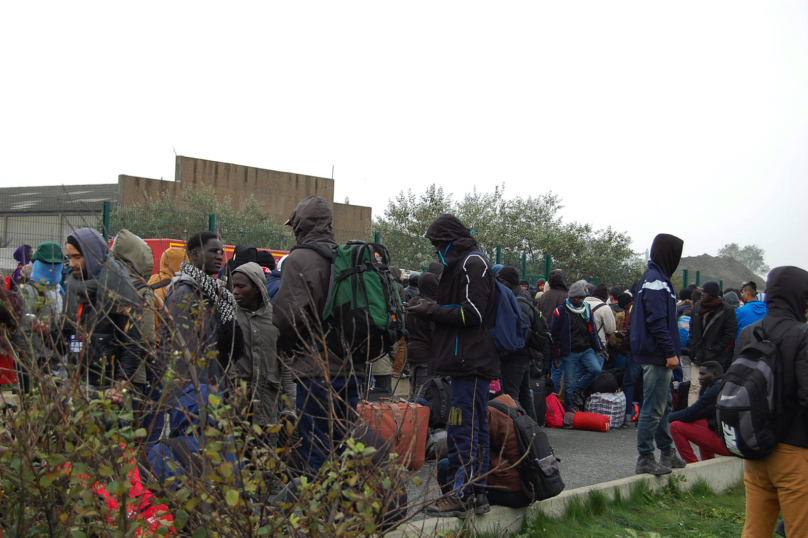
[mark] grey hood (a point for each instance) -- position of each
(134, 253)
(255, 273)
(311, 221)
(93, 248)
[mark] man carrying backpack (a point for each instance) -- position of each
(463, 348)
(778, 482)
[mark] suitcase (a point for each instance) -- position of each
(404, 425)
(539, 402)
(682, 393)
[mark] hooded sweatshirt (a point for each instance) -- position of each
(462, 344)
(23, 257)
(303, 293)
(419, 346)
(260, 365)
(787, 290)
(169, 267)
(101, 317)
(654, 325)
(748, 314)
(556, 295)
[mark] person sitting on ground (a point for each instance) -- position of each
(576, 346)
(697, 423)
(713, 326)
(752, 310)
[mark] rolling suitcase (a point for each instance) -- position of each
(404, 425)
(539, 401)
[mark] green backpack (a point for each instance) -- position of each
(364, 306)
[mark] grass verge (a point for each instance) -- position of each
(672, 512)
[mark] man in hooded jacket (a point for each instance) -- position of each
(463, 348)
(713, 327)
(419, 345)
(655, 346)
(556, 295)
(777, 482)
(327, 374)
(101, 316)
(170, 263)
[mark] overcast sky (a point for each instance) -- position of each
(689, 118)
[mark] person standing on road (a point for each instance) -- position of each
(655, 345)
(419, 345)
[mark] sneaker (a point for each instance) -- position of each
(449, 506)
(578, 400)
(670, 458)
(481, 505)
(646, 463)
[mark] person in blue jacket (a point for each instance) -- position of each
(752, 310)
(655, 347)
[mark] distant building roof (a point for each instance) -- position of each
(57, 198)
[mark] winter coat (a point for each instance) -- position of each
(604, 319)
(505, 453)
(102, 314)
(303, 293)
(556, 295)
(748, 314)
(784, 323)
(46, 304)
(259, 365)
(654, 325)
(713, 339)
(462, 344)
(169, 267)
(562, 334)
(703, 408)
(419, 345)
(273, 285)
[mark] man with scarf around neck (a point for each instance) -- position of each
(327, 375)
(576, 351)
(713, 327)
(463, 348)
(778, 482)
(101, 324)
(655, 346)
(202, 320)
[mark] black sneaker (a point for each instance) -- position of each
(578, 400)
(646, 463)
(481, 505)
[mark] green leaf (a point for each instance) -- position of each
(201, 532)
(141, 432)
(106, 470)
(180, 519)
(214, 400)
(232, 497)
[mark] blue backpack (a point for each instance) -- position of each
(510, 330)
(684, 330)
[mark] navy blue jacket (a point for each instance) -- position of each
(562, 337)
(703, 408)
(654, 328)
(273, 284)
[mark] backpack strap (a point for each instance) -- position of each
(161, 284)
(598, 307)
(512, 412)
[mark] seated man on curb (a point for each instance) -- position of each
(697, 423)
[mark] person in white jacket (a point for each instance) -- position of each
(604, 316)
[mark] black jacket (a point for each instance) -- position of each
(715, 340)
(703, 408)
(784, 323)
(556, 295)
(462, 344)
(421, 330)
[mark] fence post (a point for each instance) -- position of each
(377, 237)
(597, 281)
(548, 264)
(499, 254)
(685, 282)
(212, 222)
(524, 264)
(721, 285)
(105, 219)
(698, 278)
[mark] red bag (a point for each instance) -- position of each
(554, 416)
(404, 425)
(8, 375)
(591, 421)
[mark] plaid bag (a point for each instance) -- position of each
(611, 404)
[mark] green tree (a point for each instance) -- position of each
(752, 256)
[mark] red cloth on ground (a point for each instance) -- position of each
(699, 434)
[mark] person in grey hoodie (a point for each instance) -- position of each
(270, 384)
(103, 337)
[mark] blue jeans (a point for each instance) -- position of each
(326, 413)
(632, 373)
(580, 370)
(656, 406)
(556, 375)
(467, 435)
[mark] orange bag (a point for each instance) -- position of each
(403, 425)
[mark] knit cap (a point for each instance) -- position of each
(578, 289)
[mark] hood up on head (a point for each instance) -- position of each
(666, 252)
(450, 229)
(170, 262)
(255, 273)
(557, 280)
(731, 299)
(311, 221)
(93, 248)
(22, 254)
(134, 253)
(436, 268)
(787, 290)
(428, 286)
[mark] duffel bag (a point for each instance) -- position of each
(590, 421)
(611, 404)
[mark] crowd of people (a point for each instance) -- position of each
(214, 324)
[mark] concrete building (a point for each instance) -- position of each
(30, 215)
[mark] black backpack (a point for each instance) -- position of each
(538, 339)
(439, 395)
(749, 400)
(538, 469)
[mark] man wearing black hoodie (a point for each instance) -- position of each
(778, 482)
(419, 345)
(655, 346)
(463, 348)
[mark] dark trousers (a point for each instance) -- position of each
(632, 374)
(326, 414)
(467, 435)
(515, 372)
(498, 497)
(418, 378)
